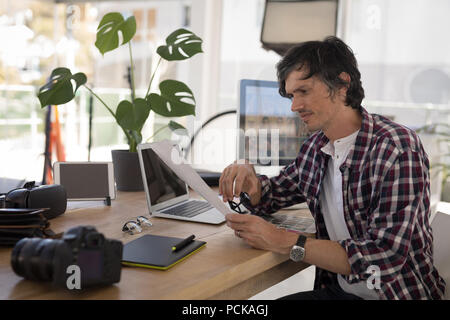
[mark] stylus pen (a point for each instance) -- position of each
(183, 243)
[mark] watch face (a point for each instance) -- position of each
(297, 253)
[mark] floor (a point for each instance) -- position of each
(302, 281)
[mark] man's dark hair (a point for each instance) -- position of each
(326, 60)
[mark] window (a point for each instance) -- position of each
(402, 48)
(42, 35)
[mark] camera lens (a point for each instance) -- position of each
(35, 260)
(42, 260)
(22, 256)
(32, 258)
(18, 267)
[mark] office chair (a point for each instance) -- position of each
(440, 224)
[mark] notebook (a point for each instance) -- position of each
(167, 195)
(292, 223)
(151, 251)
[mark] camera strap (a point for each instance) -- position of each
(49, 233)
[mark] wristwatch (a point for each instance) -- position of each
(298, 250)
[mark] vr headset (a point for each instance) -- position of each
(30, 196)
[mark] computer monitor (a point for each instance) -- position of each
(270, 133)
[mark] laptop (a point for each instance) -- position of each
(167, 195)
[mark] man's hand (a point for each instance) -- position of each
(261, 234)
(243, 177)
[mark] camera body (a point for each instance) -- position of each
(98, 258)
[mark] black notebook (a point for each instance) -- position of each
(150, 251)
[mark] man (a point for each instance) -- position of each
(365, 180)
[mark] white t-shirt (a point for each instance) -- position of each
(332, 206)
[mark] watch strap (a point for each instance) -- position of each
(301, 241)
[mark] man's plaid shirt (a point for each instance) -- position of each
(385, 186)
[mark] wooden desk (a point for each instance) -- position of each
(226, 268)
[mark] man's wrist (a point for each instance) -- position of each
(291, 239)
(256, 199)
(263, 187)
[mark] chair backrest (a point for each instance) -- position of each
(441, 252)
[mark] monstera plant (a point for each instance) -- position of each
(174, 99)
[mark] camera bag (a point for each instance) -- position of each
(31, 196)
(16, 224)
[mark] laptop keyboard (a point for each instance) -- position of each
(189, 209)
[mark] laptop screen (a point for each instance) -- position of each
(162, 183)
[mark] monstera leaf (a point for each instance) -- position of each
(180, 45)
(59, 89)
(108, 31)
(132, 116)
(176, 99)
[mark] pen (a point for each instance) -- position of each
(183, 243)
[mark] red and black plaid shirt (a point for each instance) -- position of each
(385, 188)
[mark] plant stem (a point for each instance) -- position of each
(103, 102)
(158, 131)
(129, 138)
(151, 79)
(133, 146)
(133, 94)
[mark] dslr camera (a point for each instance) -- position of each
(98, 259)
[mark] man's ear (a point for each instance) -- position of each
(346, 78)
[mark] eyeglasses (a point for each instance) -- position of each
(133, 227)
(244, 200)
